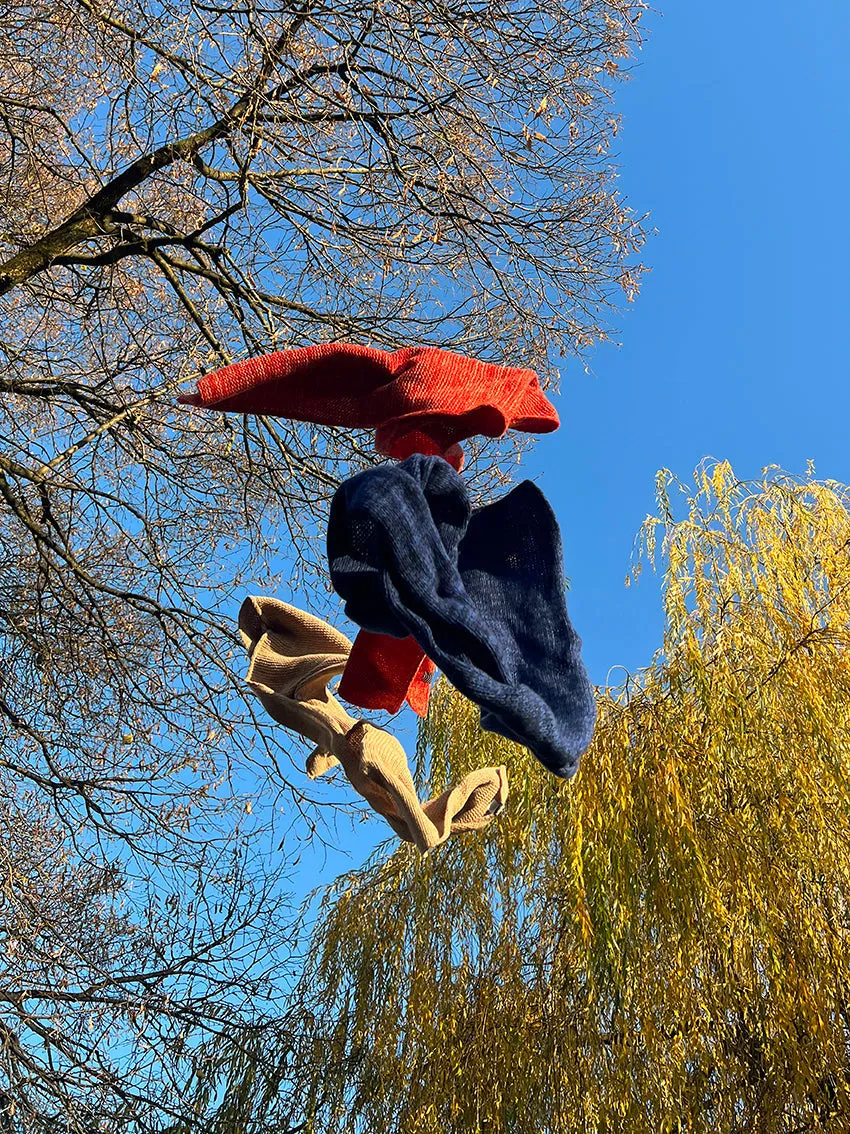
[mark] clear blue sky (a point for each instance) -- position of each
(735, 139)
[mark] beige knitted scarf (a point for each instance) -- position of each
(293, 655)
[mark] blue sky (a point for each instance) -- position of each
(735, 136)
(735, 139)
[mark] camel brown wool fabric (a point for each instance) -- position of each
(289, 647)
(382, 674)
(377, 767)
(418, 399)
(292, 657)
(471, 804)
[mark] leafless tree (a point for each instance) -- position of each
(185, 183)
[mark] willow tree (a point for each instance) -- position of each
(186, 182)
(662, 944)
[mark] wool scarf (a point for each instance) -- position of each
(293, 655)
(482, 592)
(418, 399)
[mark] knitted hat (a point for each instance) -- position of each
(482, 593)
(419, 399)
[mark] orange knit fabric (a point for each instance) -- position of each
(383, 673)
(418, 399)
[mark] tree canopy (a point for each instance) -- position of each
(186, 183)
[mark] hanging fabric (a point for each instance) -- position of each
(481, 592)
(418, 399)
(292, 656)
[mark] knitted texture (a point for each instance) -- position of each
(383, 673)
(376, 766)
(471, 804)
(419, 399)
(481, 592)
(292, 657)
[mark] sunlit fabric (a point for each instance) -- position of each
(482, 592)
(293, 655)
(384, 672)
(418, 399)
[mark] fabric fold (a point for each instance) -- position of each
(471, 804)
(292, 657)
(481, 592)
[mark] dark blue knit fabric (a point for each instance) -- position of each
(481, 592)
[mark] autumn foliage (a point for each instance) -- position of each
(663, 943)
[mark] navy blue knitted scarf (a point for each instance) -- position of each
(482, 592)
